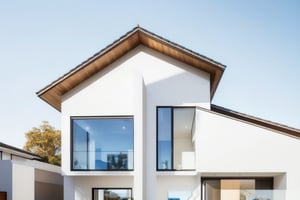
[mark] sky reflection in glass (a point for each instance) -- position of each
(103, 143)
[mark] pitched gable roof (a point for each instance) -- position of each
(53, 92)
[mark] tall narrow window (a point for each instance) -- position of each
(102, 143)
(164, 129)
(175, 148)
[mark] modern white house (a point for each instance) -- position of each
(24, 176)
(138, 123)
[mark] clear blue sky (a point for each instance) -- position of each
(258, 41)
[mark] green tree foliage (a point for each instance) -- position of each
(45, 141)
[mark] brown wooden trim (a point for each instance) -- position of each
(52, 93)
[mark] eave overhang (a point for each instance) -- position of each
(53, 92)
(18, 152)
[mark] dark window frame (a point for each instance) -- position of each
(172, 138)
(98, 117)
(110, 188)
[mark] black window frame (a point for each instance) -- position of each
(98, 117)
(172, 138)
(110, 188)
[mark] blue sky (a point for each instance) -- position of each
(258, 41)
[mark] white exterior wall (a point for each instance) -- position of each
(229, 147)
(134, 85)
(6, 156)
(23, 182)
(19, 177)
(80, 187)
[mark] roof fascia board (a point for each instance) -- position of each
(282, 129)
(53, 92)
(85, 63)
(18, 152)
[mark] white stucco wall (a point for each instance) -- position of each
(173, 183)
(80, 187)
(134, 85)
(21, 178)
(23, 182)
(6, 156)
(229, 147)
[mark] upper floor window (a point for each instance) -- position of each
(100, 143)
(175, 145)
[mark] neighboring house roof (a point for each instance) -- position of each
(257, 121)
(138, 36)
(18, 152)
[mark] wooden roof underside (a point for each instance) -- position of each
(138, 36)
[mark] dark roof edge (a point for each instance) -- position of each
(86, 62)
(255, 120)
(118, 41)
(189, 51)
(19, 150)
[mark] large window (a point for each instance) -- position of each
(237, 189)
(175, 146)
(100, 143)
(112, 194)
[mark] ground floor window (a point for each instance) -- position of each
(112, 193)
(237, 188)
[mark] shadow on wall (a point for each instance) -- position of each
(48, 191)
(180, 89)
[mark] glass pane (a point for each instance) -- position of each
(184, 150)
(103, 143)
(164, 143)
(112, 194)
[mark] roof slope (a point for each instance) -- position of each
(53, 92)
(17, 151)
(255, 120)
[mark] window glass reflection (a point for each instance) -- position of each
(102, 144)
(112, 194)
